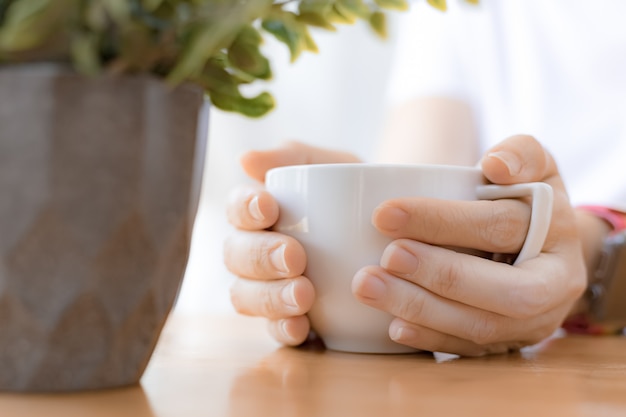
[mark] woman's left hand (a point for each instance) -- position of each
(459, 303)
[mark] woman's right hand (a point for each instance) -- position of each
(268, 266)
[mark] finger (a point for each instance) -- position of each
(523, 159)
(518, 292)
(257, 163)
(401, 298)
(423, 338)
(275, 300)
(494, 226)
(520, 158)
(291, 331)
(263, 255)
(413, 303)
(405, 300)
(251, 208)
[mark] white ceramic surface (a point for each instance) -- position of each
(328, 208)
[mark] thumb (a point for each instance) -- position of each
(257, 163)
(518, 159)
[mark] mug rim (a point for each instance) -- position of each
(376, 165)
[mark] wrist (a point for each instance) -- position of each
(592, 230)
(597, 226)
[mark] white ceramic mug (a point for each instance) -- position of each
(328, 209)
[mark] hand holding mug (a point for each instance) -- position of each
(453, 302)
(268, 265)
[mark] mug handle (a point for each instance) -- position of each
(541, 211)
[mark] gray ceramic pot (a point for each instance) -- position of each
(99, 185)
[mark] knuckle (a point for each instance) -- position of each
(232, 207)
(267, 257)
(447, 282)
(236, 207)
(236, 299)
(413, 309)
(502, 230)
(484, 331)
(251, 208)
(531, 299)
(232, 251)
(248, 254)
(436, 223)
(269, 305)
(255, 299)
(227, 254)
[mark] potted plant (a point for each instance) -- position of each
(102, 140)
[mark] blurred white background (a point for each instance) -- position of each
(334, 99)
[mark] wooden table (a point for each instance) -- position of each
(227, 366)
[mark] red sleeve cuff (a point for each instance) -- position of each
(616, 218)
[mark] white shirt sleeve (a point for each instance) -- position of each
(425, 62)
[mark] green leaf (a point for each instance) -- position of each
(252, 107)
(137, 51)
(284, 32)
(244, 54)
(337, 14)
(285, 26)
(203, 40)
(95, 15)
(4, 5)
(24, 10)
(119, 10)
(309, 42)
(378, 22)
(439, 4)
(320, 7)
(399, 5)
(213, 29)
(315, 19)
(30, 23)
(356, 8)
(85, 53)
(223, 89)
(151, 5)
(215, 77)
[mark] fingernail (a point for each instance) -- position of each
(398, 260)
(284, 329)
(396, 334)
(399, 333)
(369, 286)
(391, 219)
(288, 295)
(255, 210)
(277, 258)
(512, 162)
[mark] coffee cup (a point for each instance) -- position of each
(328, 209)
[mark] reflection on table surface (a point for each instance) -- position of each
(228, 366)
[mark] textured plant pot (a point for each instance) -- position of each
(99, 185)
